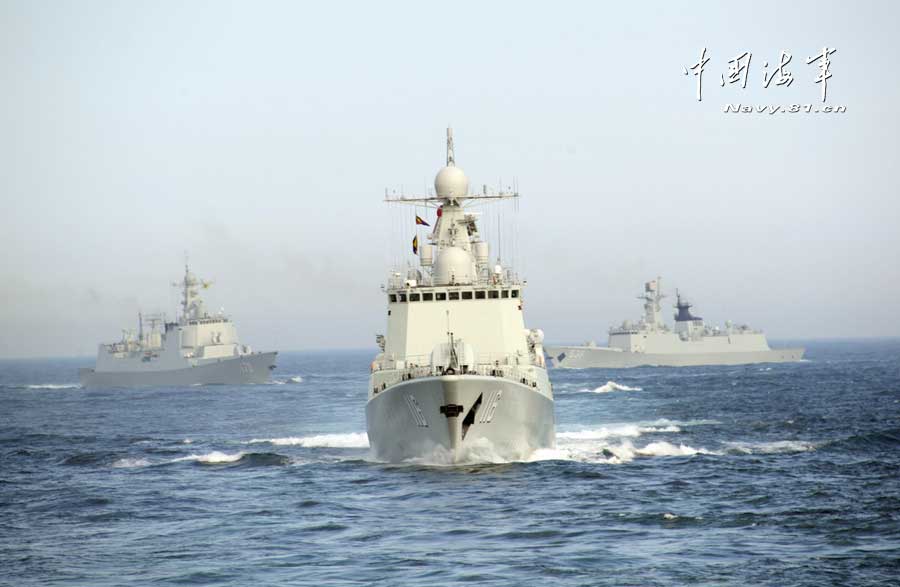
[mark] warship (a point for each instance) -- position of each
(197, 349)
(650, 342)
(458, 377)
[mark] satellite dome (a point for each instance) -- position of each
(454, 265)
(451, 182)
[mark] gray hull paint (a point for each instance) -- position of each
(253, 368)
(510, 422)
(583, 357)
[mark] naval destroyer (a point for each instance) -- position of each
(197, 349)
(459, 376)
(650, 342)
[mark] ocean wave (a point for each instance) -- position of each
(885, 439)
(213, 458)
(349, 440)
(296, 379)
(667, 449)
(130, 463)
(665, 422)
(615, 453)
(615, 430)
(775, 447)
(252, 459)
(37, 386)
(610, 386)
(89, 458)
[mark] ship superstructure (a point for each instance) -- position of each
(650, 341)
(198, 348)
(458, 374)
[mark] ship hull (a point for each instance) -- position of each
(245, 369)
(584, 357)
(483, 419)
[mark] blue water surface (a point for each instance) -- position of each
(783, 474)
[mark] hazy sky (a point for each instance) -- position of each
(260, 136)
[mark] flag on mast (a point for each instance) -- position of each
(420, 222)
(416, 245)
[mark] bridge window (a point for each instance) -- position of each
(479, 295)
(467, 295)
(505, 293)
(427, 297)
(454, 295)
(493, 294)
(440, 296)
(402, 297)
(414, 297)
(515, 293)
(392, 298)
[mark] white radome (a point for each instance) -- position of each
(451, 182)
(454, 265)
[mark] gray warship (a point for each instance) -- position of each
(197, 349)
(458, 376)
(650, 342)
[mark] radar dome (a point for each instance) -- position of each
(454, 265)
(451, 182)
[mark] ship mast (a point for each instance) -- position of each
(451, 162)
(652, 308)
(191, 304)
(439, 200)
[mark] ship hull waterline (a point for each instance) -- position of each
(586, 357)
(485, 419)
(246, 369)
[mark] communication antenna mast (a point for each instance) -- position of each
(451, 160)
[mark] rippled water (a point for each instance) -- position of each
(773, 474)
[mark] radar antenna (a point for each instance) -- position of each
(451, 160)
(435, 201)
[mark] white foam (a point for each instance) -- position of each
(296, 379)
(776, 447)
(129, 463)
(187, 441)
(214, 457)
(615, 430)
(53, 386)
(349, 440)
(479, 452)
(667, 449)
(610, 386)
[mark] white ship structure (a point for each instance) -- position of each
(459, 376)
(197, 349)
(651, 342)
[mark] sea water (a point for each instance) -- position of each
(781, 474)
